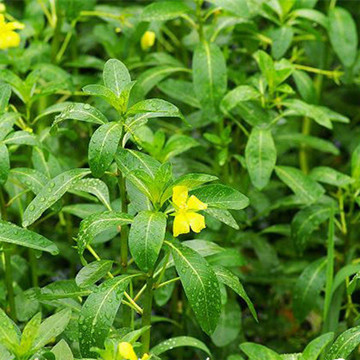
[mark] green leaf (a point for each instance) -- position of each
(51, 328)
(29, 334)
(181, 341)
(316, 346)
(200, 285)
(229, 325)
(62, 351)
(237, 95)
(259, 352)
(231, 280)
(50, 193)
(102, 148)
(7, 122)
(306, 221)
(355, 164)
(12, 234)
(282, 39)
(58, 107)
(303, 186)
(147, 109)
(343, 35)
(97, 223)
(95, 187)
(116, 76)
(62, 289)
(98, 313)
(21, 138)
(9, 333)
(308, 287)
(224, 216)
(93, 272)
(345, 344)
(209, 77)
(80, 112)
(221, 197)
(150, 78)
(237, 7)
(260, 155)
(5, 93)
(164, 10)
(191, 181)
(180, 90)
(342, 275)
(4, 163)
(104, 93)
(305, 86)
(328, 175)
(30, 178)
(146, 238)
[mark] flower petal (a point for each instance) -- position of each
(181, 224)
(126, 351)
(180, 195)
(197, 221)
(195, 204)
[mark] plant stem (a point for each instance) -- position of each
(124, 229)
(146, 318)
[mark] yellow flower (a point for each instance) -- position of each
(126, 352)
(8, 37)
(2, 8)
(186, 215)
(148, 40)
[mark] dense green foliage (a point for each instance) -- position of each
(179, 178)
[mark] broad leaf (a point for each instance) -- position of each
(116, 76)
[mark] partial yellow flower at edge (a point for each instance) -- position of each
(2, 8)
(186, 216)
(8, 37)
(148, 40)
(126, 351)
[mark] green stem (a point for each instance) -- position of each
(33, 267)
(9, 283)
(329, 267)
(303, 158)
(56, 38)
(124, 229)
(146, 318)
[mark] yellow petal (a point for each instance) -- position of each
(181, 224)
(12, 39)
(148, 40)
(180, 195)
(197, 221)
(15, 25)
(195, 204)
(2, 19)
(145, 357)
(126, 351)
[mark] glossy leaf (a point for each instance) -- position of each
(93, 272)
(260, 155)
(259, 352)
(345, 344)
(200, 285)
(146, 237)
(116, 76)
(102, 148)
(164, 10)
(50, 193)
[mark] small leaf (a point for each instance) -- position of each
(146, 237)
(102, 148)
(51, 328)
(308, 287)
(50, 193)
(21, 138)
(29, 334)
(62, 351)
(316, 346)
(345, 344)
(237, 95)
(260, 155)
(200, 285)
(93, 272)
(221, 197)
(98, 313)
(164, 10)
(30, 178)
(259, 352)
(4, 163)
(9, 333)
(12, 234)
(116, 76)
(209, 77)
(343, 35)
(303, 186)
(5, 93)
(229, 279)
(328, 175)
(97, 223)
(181, 341)
(306, 221)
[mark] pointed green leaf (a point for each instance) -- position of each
(116, 76)
(345, 344)
(316, 346)
(259, 352)
(93, 272)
